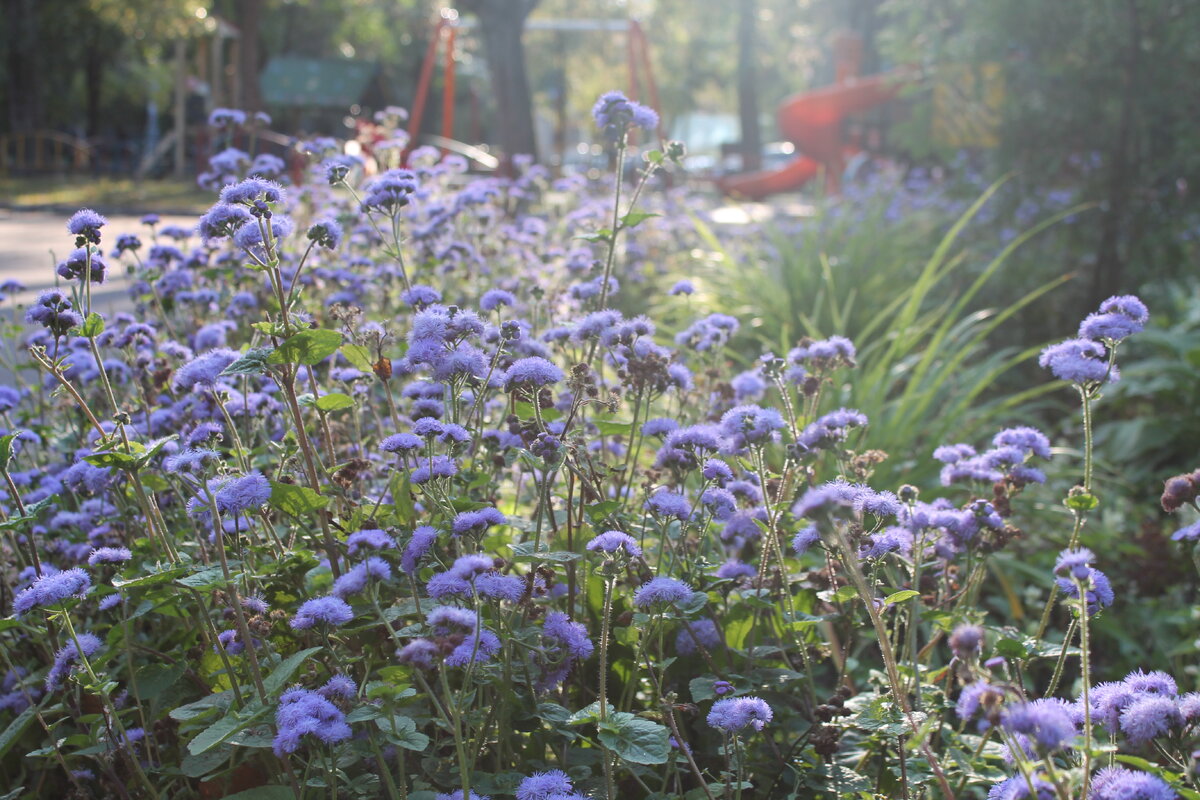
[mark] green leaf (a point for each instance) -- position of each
(154, 679)
(286, 669)
(275, 792)
(6, 452)
(204, 578)
(16, 728)
(635, 218)
(227, 726)
(1011, 648)
(359, 357)
(296, 500)
(1084, 501)
(402, 732)
(93, 326)
(334, 401)
(900, 597)
(613, 428)
(150, 578)
(252, 362)
(635, 739)
(307, 347)
(200, 765)
(112, 458)
(598, 512)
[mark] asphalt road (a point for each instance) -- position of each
(32, 243)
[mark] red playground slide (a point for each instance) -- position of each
(813, 122)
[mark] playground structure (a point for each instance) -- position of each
(814, 122)
(641, 72)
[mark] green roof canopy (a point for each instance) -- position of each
(315, 82)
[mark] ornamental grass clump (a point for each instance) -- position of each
(385, 487)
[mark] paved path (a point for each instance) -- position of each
(32, 243)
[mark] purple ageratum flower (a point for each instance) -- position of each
(421, 296)
(1156, 682)
(733, 714)
(109, 555)
(1118, 783)
(328, 610)
(613, 542)
(243, 493)
(552, 785)
(226, 117)
(494, 298)
(441, 467)
(476, 523)
(390, 191)
(419, 652)
(1049, 722)
(666, 503)
(325, 233)
(682, 287)
(703, 631)
(418, 547)
(222, 221)
(1017, 788)
(659, 426)
(532, 372)
(54, 311)
(369, 539)
(734, 569)
(976, 696)
(86, 224)
(716, 470)
(51, 589)
(805, 539)
(479, 648)
(661, 590)
(1076, 562)
(1031, 440)
(66, 658)
(457, 795)
(356, 579)
(339, 687)
(203, 370)
(1149, 717)
(401, 443)
(251, 191)
(76, 266)
(1079, 361)
(750, 424)
(306, 713)
(570, 636)
(615, 113)
(1188, 533)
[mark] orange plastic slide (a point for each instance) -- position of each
(813, 122)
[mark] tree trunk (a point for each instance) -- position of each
(248, 14)
(501, 23)
(24, 93)
(748, 86)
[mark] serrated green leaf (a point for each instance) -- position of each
(6, 450)
(93, 326)
(613, 428)
(634, 739)
(334, 401)
(402, 732)
(252, 362)
(296, 500)
(900, 597)
(286, 669)
(635, 218)
(359, 357)
(16, 729)
(310, 346)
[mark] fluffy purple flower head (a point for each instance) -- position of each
(305, 713)
(109, 555)
(203, 370)
(422, 541)
(966, 640)
(570, 636)
(401, 443)
(1149, 717)
(682, 287)
(552, 785)
(222, 221)
(86, 224)
(1049, 722)
(661, 590)
(1075, 563)
(243, 493)
(804, 539)
(659, 426)
(66, 658)
(494, 298)
(76, 266)
(251, 191)
(329, 610)
(476, 523)
(325, 233)
(54, 311)
(1118, 783)
(666, 503)
(750, 424)
(51, 589)
(615, 541)
(615, 113)
(733, 714)
(530, 372)
(355, 580)
(369, 539)
(1080, 361)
